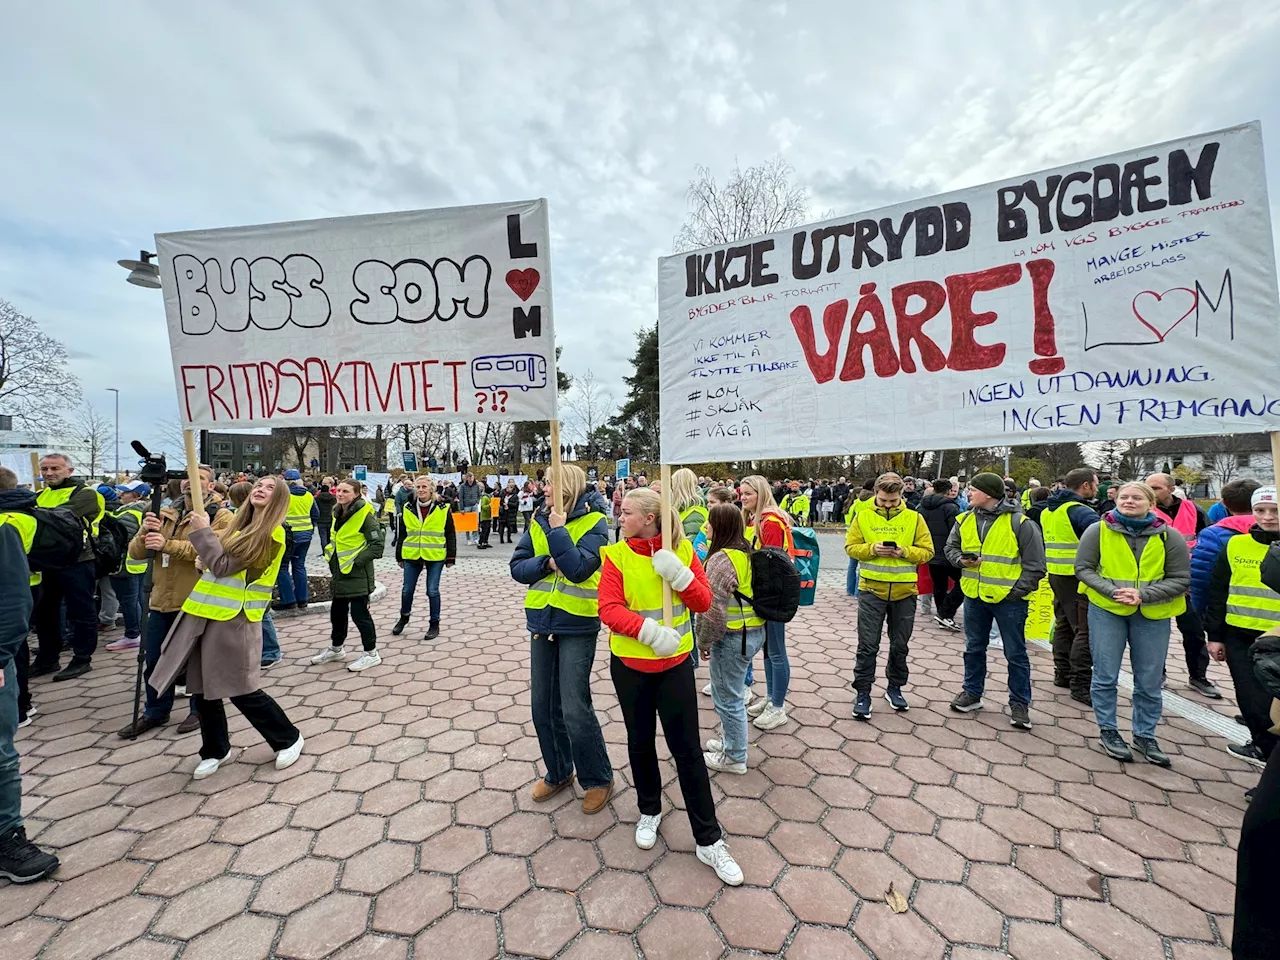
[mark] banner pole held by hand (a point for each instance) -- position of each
(37, 483)
(193, 471)
(668, 608)
(556, 485)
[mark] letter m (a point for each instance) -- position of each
(526, 324)
(1225, 292)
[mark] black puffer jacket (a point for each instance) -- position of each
(939, 514)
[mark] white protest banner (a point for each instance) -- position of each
(419, 316)
(1132, 296)
(454, 478)
(19, 463)
(500, 480)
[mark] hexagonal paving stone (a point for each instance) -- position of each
(896, 935)
(412, 904)
(378, 867)
(492, 883)
(419, 821)
(752, 919)
(318, 930)
(958, 914)
(460, 936)
(616, 901)
(817, 896)
(349, 836)
(565, 864)
(682, 880)
(295, 886)
(453, 849)
(679, 935)
(246, 936)
(202, 907)
(540, 924)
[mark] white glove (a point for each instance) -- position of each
(664, 640)
(668, 566)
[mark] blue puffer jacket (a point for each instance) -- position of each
(1208, 545)
(576, 563)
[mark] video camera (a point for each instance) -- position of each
(155, 469)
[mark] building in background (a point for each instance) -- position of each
(21, 443)
(291, 447)
(1206, 463)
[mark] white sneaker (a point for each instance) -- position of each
(180, 690)
(327, 656)
(206, 768)
(647, 831)
(715, 746)
(289, 755)
(747, 695)
(706, 691)
(719, 859)
(370, 658)
(715, 759)
(757, 707)
(771, 717)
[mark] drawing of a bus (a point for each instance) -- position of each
(523, 371)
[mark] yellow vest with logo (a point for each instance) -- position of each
(132, 566)
(1001, 564)
(580, 599)
(298, 519)
(1116, 563)
(877, 528)
(25, 524)
(347, 541)
(48, 497)
(424, 539)
(741, 615)
(1250, 604)
(856, 508)
(1060, 540)
(643, 590)
(221, 598)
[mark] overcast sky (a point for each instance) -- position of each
(125, 119)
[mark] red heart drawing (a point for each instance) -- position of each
(1159, 312)
(523, 282)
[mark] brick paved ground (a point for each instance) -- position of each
(406, 829)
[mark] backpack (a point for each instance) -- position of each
(775, 585)
(804, 549)
(58, 541)
(110, 546)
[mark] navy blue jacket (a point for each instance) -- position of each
(576, 562)
(15, 593)
(1205, 556)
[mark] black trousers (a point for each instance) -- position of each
(359, 609)
(1072, 658)
(258, 708)
(672, 696)
(1193, 645)
(1256, 933)
(1251, 696)
(947, 599)
(485, 526)
(74, 586)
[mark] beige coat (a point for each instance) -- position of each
(223, 658)
(175, 571)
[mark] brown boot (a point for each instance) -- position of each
(543, 791)
(593, 800)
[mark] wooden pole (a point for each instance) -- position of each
(557, 488)
(668, 607)
(1275, 456)
(193, 471)
(37, 483)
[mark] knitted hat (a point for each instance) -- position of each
(1263, 495)
(989, 483)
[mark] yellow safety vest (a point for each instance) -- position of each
(25, 524)
(1116, 563)
(298, 519)
(642, 588)
(695, 511)
(739, 614)
(1001, 565)
(347, 541)
(221, 598)
(856, 508)
(1026, 499)
(877, 528)
(1250, 604)
(424, 539)
(132, 566)
(48, 497)
(1060, 540)
(553, 590)
(750, 534)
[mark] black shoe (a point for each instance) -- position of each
(21, 860)
(433, 630)
(268, 664)
(41, 669)
(1062, 680)
(76, 668)
(284, 606)
(1148, 747)
(131, 731)
(400, 624)
(1115, 746)
(1249, 752)
(1082, 696)
(302, 605)
(1202, 686)
(1248, 794)
(1019, 716)
(190, 724)
(966, 703)
(1238, 718)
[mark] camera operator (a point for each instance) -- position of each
(172, 577)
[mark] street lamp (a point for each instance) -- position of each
(142, 271)
(117, 393)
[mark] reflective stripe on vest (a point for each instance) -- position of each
(49, 497)
(741, 614)
(877, 528)
(1001, 565)
(1116, 563)
(221, 598)
(424, 538)
(642, 588)
(1060, 540)
(347, 541)
(579, 599)
(298, 519)
(132, 566)
(1250, 604)
(25, 524)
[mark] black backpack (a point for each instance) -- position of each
(58, 540)
(110, 545)
(775, 585)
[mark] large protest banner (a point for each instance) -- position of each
(1131, 296)
(424, 315)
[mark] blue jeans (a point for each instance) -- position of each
(412, 570)
(128, 590)
(270, 641)
(159, 705)
(565, 720)
(10, 776)
(292, 579)
(777, 668)
(1148, 642)
(728, 670)
(1011, 615)
(851, 578)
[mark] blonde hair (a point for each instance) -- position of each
(765, 504)
(684, 490)
(650, 502)
(249, 538)
(1146, 490)
(571, 483)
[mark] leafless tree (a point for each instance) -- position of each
(759, 200)
(35, 383)
(166, 438)
(1222, 454)
(590, 406)
(97, 433)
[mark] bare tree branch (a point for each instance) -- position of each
(590, 406)
(35, 382)
(759, 200)
(97, 432)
